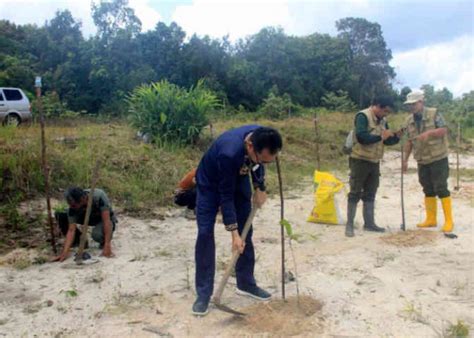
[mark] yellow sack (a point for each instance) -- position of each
(325, 208)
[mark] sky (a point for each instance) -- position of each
(432, 41)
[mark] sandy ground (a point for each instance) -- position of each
(367, 287)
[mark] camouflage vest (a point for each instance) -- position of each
(434, 148)
(369, 152)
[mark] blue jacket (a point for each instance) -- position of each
(220, 166)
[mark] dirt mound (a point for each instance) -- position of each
(284, 317)
(411, 238)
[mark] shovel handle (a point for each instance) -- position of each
(235, 256)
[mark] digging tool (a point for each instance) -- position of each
(402, 226)
(82, 244)
(231, 266)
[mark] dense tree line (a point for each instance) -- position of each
(95, 74)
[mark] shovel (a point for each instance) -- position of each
(230, 267)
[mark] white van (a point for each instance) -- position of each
(15, 107)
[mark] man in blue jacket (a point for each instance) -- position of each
(223, 182)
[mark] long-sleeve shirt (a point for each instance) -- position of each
(363, 135)
(221, 166)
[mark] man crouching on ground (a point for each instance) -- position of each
(223, 181)
(102, 218)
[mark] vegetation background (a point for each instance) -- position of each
(101, 90)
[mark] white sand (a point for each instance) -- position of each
(368, 287)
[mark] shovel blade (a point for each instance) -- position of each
(227, 309)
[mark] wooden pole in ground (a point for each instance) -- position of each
(282, 228)
(403, 225)
(316, 133)
(85, 227)
(44, 165)
(458, 145)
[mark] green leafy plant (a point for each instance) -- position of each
(277, 107)
(53, 107)
(61, 207)
(71, 293)
(292, 236)
(9, 210)
(458, 330)
(168, 113)
(339, 101)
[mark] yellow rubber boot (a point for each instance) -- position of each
(448, 215)
(431, 210)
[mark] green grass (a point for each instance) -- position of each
(137, 176)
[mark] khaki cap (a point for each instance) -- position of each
(414, 97)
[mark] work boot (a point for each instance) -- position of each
(448, 216)
(254, 292)
(368, 213)
(351, 212)
(431, 210)
(201, 306)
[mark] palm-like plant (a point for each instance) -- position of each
(169, 113)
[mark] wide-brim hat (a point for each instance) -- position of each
(414, 97)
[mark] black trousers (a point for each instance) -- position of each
(364, 180)
(433, 177)
(63, 223)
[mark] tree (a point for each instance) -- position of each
(369, 58)
(161, 49)
(113, 18)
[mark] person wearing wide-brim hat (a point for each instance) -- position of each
(427, 133)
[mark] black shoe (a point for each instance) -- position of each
(254, 292)
(201, 306)
(373, 228)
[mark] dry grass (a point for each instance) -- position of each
(411, 238)
(284, 318)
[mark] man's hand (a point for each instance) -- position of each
(422, 137)
(399, 133)
(237, 243)
(107, 251)
(405, 166)
(259, 198)
(61, 258)
(386, 134)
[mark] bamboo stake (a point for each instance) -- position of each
(282, 228)
(458, 145)
(316, 132)
(403, 225)
(45, 168)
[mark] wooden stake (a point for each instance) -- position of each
(458, 145)
(45, 168)
(403, 226)
(316, 132)
(85, 227)
(282, 228)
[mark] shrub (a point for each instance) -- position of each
(277, 107)
(338, 101)
(169, 113)
(53, 107)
